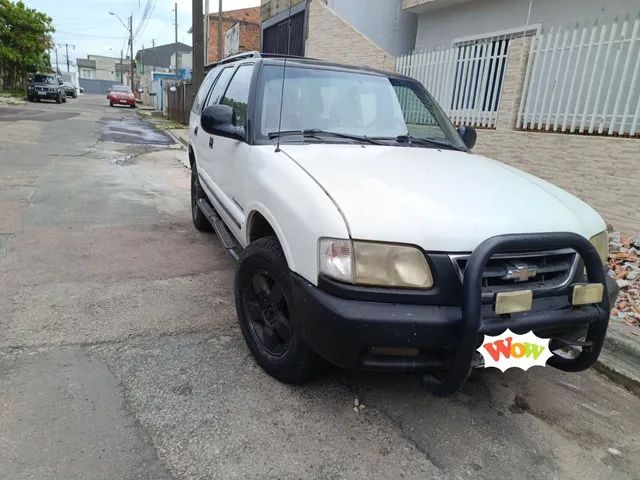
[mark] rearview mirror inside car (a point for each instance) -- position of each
(220, 120)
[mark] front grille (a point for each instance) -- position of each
(525, 270)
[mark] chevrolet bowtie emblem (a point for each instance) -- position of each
(520, 272)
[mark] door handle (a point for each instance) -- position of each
(210, 142)
(195, 131)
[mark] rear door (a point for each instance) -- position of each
(195, 130)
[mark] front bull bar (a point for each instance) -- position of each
(598, 317)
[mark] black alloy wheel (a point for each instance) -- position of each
(266, 308)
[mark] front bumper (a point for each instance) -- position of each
(123, 101)
(51, 95)
(346, 331)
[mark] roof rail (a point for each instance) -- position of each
(233, 58)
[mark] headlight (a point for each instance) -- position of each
(601, 242)
(375, 264)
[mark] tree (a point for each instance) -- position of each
(25, 40)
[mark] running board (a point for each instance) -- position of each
(225, 236)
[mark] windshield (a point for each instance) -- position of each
(43, 79)
(120, 88)
(351, 103)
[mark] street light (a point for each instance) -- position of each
(116, 15)
(130, 30)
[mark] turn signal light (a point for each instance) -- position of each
(587, 293)
(513, 302)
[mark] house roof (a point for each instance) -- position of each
(160, 56)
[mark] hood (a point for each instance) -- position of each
(440, 200)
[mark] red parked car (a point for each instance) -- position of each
(121, 95)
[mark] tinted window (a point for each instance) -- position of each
(204, 89)
(43, 79)
(219, 87)
(237, 95)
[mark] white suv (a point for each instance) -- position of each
(368, 235)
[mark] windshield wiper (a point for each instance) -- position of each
(426, 141)
(316, 132)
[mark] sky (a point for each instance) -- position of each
(88, 26)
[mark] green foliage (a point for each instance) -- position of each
(25, 39)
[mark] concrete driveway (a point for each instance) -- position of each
(121, 358)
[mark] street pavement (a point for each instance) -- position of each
(121, 357)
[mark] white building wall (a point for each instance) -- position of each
(105, 67)
(382, 21)
(478, 17)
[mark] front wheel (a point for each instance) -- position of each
(199, 220)
(59, 98)
(264, 304)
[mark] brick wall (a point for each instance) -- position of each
(332, 38)
(249, 30)
(602, 171)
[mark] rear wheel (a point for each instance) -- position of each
(199, 220)
(64, 98)
(74, 95)
(264, 304)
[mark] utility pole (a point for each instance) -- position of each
(206, 32)
(121, 69)
(176, 26)
(131, 49)
(197, 42)
(57, 66)
(220, 48)
(153, 46)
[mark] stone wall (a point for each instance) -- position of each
(333, 39)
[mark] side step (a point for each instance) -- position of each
(225, 236)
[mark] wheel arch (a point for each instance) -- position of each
(261, 223)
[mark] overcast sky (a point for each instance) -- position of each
(88, 25)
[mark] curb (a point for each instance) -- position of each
(620, 356)
(176, 138)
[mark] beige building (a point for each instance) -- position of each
(98, 67)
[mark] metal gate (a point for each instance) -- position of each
(277, 39)
(97, 86)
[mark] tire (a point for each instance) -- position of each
(264, 304)
(64, 98)
(74, 95)
(111, 104)
(38, 99)
(132, 106)
(58, 98)
(199, 220)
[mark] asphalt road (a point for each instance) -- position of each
(121, 358)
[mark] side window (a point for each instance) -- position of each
(237, 95)
(204, 89)
(218, 88)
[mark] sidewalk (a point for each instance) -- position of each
(620, 357)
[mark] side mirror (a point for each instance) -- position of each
(220, 120)
(468, 135)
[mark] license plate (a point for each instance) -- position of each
(123, 101)
(42, 93)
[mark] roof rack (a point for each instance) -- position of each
(234, 58)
